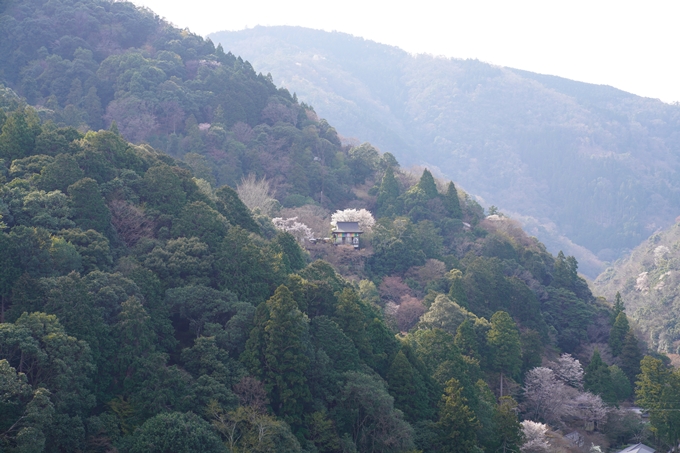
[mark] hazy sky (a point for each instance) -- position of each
(630, 45)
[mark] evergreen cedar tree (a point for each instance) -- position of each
(137, 305)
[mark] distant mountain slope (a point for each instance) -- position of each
(649, 283)
(580, 164)
(88, 64)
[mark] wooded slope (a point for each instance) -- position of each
(579, 164)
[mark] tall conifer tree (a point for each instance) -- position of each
(505, 344)
(457, 423)
(597, 378)
(630, 356)
(428, 185)
(452, 203)
(275, 354)
(618, 333)
(387, 196)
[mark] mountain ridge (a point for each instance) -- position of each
(534, 145)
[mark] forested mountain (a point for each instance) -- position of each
(647, 281)
(88, 64)
(138, 302)
(159, 291)
(579, 164)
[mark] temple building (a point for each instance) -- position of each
(347, 233)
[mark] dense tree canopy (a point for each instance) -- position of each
(142, 298)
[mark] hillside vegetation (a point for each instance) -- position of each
(138, 301)
(648, 283)
(152, 303)
(89, 64)
(588, 169)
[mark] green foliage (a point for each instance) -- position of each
(181, 262)
(409, 385)
(351, 319)
(444, 314)
(657, 390)
(162, 189)
(199, 220)
(509, 430)
(451, 201)
(466, 339)
(618, 333)
(204, 311)
(294, 257)
(569, 315)
(396, 247)
(366, 412)
(60, 174)
(457, 423)
(630, 356)
(231, 207)
(26, 413)
(532, 349)
(274, 353)
(427, 184)
(597, 379)
(92, 246)
(363, 161)
(177, 433)
(246, 429)
(620, 383)
(329, 337)
(246, 267)
(618, 307)
(504, 341)
(37, 346)
(388, 194)
(443, 360)
(128, 286)
(488, 290)
(89, 210)
(18, 135)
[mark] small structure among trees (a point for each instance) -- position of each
(347, 233)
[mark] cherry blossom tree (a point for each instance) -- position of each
(364, 217)
(299, 230)
(590, 408)
(568, 370)
(535, 437)
(546, 397)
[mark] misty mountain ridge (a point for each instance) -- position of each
(588, 169)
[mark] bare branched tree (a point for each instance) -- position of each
(256, 194)
(409, 312)
(130, 222)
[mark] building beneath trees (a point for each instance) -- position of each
(347, 233)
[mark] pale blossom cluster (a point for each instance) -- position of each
(554, 394)
(661, 254)
(535, 437)
(299, 230)
(642, 282)
(364, 217)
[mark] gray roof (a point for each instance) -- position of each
(638, 448)
(348, 227)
